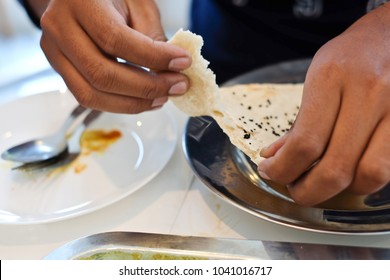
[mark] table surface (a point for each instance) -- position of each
(174, 202)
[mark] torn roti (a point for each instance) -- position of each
(252, 115)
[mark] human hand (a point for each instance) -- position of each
(340, 139)
(84, 39)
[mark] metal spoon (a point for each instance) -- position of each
(45, 148)
(65, 157)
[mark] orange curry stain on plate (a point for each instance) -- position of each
(94, 141)
(79, 167)
(98, 140)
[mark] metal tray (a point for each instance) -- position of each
(134, 245)
(149, 246)
(232, 176)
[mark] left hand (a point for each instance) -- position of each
(340, 139)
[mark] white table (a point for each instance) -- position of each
(174, 202)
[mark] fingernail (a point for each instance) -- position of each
(263, 151)
(179, 64)
(158, 102)
(262, 173)
(178, 88)
(264, 176)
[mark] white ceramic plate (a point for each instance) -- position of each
(91, 181)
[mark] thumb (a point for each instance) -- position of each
(272, 149)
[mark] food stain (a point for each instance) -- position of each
(95, 141)
(79, 167)
(120, 255)
(98, 140)
(91, 141)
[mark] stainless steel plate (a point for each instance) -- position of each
(231, 175)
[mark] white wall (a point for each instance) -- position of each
(13, 19)
(174, 14)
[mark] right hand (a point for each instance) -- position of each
(84, 39)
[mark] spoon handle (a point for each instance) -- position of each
(77, 111)
(66, 156)
(91, 117)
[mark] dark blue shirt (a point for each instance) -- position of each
(241, 35)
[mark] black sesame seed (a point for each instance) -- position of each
(247, 136)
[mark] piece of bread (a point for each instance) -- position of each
(252, 115)
(203, 94)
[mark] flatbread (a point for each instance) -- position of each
(203, 94)
(252, 115)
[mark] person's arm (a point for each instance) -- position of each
(339, 140)
(104, 48)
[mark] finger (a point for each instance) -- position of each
(271, 150)
(115, 37)
(373, 171)
(335, 170)
(108, 75)
(89, 96)
(312, 129)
